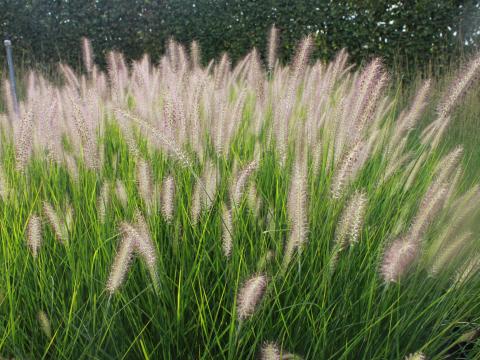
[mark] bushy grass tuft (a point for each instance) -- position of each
(238, 212)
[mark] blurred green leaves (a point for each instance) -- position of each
(407, 32)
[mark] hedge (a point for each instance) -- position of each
(422, 31)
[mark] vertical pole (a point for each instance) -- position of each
(11, 73)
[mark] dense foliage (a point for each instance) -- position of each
(412, 31)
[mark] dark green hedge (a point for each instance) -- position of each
(417, 32)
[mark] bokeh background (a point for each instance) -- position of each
(421, 34)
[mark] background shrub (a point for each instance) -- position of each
(411, 33)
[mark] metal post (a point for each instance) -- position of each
(11, 73)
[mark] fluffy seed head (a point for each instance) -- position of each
(121, 193)
(458, 87)
(241, 182)
(54, 221)
(448, 165)
(157, 136)
(351, 220)
(302, 57)
(398, 259)
(195, 54)
(360, 202)
(419, 104)
(143, 240)
(4, 189)
(144, 181)
(272, 48)
(432, 203)
(144, 245)
(168, 198)
(87, 54)
(23, 144)
(250, 295)
(135, 239)
(449, 252)
(297, 208)
(69, 220)
(467, 271)
(34, 234)
(270, 351)
(349, 226)
(416, 356)
(90, 146)
(196, 206)
(254, 200)
(122, 261)
(102, 202)
(72, 167)
(210, 177)
(345, 170)
(45, 325)
(227, 231)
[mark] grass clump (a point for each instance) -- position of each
(180, 211)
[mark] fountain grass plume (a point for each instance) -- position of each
(45, 324)
(227, 231)
(297, 210)
(399, 259)
(121, 193)
(23, 145)
(145, 182)
(122, 261)
(168, 198)
(250, 295)
(270, 351)
(272, 48)
(58, 226)
(4, 187)
(103, 201)
(87, 53)
(416, 356)
(145, 246)
(34, 234)
(240, 184)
